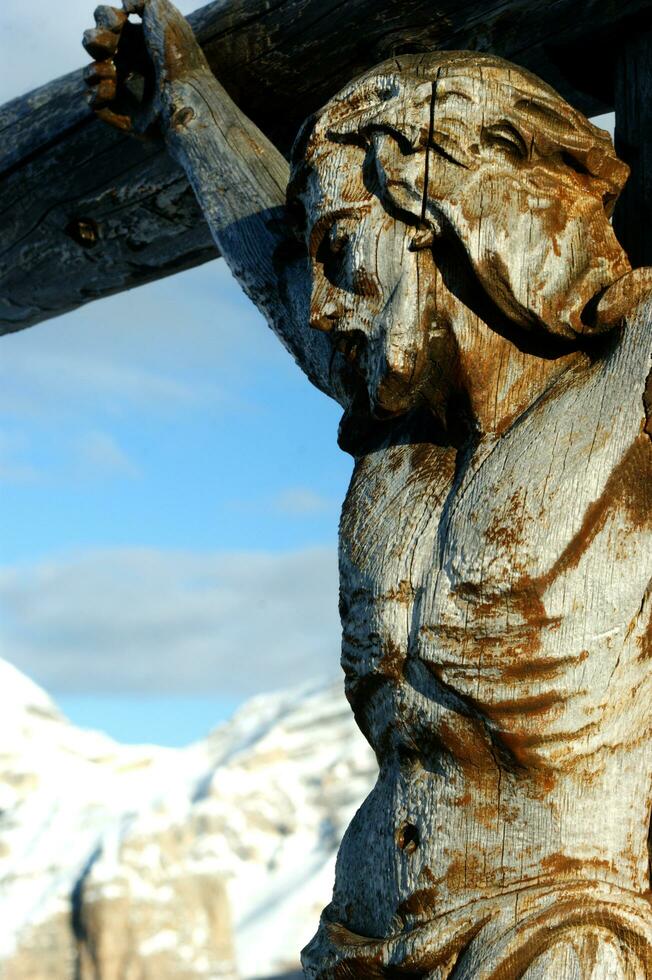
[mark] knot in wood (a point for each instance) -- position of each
(407, 837)
(84, 231)
(181, 117)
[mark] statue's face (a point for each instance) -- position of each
(531, 212)
(365, 290)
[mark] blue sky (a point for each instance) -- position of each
(170, 498)
(171, 487)
(168, 416)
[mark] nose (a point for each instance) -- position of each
(598, 206)
(617, 254)
(607, 263)
(609, 257)
(324, 316)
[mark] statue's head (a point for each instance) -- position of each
(443, 153)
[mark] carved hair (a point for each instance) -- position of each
(427, 102)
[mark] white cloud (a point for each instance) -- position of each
(13, 472)
(99, 453)
(138, 620)
(302, 501)
(290, 502)
(13, 468)
(37, 379)
(179, 344)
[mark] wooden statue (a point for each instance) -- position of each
(439, 258)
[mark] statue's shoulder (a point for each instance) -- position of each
(640, 319)
(637, 336)
(630, 360)
(627, 301)
(617, 372)
(640, 299)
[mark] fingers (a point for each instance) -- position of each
(101, 42)
(118, 82)
(101, 78)
(101, 94)
(114, 119)
(100, 71)
(110, 18)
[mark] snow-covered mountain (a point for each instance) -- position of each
(208, 861)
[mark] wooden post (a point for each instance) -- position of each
(633, 104)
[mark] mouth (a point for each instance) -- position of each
(388, 396)
(328, 316)
(350, 343)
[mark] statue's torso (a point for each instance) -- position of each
(496, 625)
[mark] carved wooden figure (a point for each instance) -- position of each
(439, 258)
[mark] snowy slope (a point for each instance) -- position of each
(256, 809)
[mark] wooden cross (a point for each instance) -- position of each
(439, 259)
(87, 212)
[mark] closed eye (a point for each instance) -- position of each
(505, 137)
(574, 164)
(331, 252)
(333, 225)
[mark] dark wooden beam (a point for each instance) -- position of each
(87, 212)
(633, 98)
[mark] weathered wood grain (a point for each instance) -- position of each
(496, 538)
(87, 212)
(240, 180)
(633, 137)
(447, 235)
(444, 264)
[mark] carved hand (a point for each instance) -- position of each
(151, 78)
(135, 62)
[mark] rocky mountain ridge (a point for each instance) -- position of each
(123, 862)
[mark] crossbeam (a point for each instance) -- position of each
(87, 211)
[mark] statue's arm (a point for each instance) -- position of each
(237, 174)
